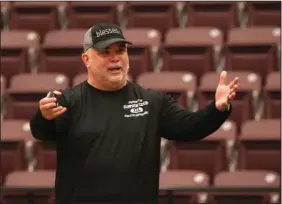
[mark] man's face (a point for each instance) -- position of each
(108, 67)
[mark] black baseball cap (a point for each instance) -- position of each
(102, 35)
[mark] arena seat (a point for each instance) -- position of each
(264, 13)
(214, 152)
(254, 178)
(143, 54)
(86, 14)
(194, 50)
(21, 101)
(180, 85)
(221, 15)
(45, 155)
(246, 100)
(259, 145)
(253, 49)
(15, 135)
(154, 15)
(182, 178)
(61, 52)
(40, 17)
(18, 52)
(25, 179)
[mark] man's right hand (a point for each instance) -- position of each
(48, 107)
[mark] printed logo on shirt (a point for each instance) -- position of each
(136, 108)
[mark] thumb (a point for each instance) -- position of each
(222, 78)
(57, 92)
(53, 93)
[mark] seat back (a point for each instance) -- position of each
(245, 179)
(46, 155)
(212, 152)
(180, 85)
(158, 15)
(14, 134)
(245, 103)
(222, 15)
(87, 14)
(143, 54)
(253, 49)
(24, 179)
(38, 16)
(62, 52)
(259, 145)
(191, 46)
(266, 13)
(28, 89)
(182, 178)
(18, 52)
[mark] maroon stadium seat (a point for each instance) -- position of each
(264, 13)
(35, 180)
(14, 135)
(46, 156)
(62, 51)
(182, 178)
(177, 84)
(255, 178)
(27, 89)
(253, 49)
(143, 54)
(191, 49)
(157, 15)
(18, 52)
(259, 145)
(38, 16)
(245, 100)
(86, 14)
(214, 152)
(222, 15)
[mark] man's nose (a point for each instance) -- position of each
(114, 57)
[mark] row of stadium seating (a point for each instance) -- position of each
(196, 50)
(188, 178)
(253, 101)
(257, 147)
(45, 16)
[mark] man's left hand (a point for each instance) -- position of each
(225, 93)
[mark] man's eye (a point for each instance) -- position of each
(121, 50)
(104, 52)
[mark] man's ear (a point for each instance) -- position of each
(85, 58)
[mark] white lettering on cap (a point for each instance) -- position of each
(106, 31)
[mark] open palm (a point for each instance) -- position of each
(225, 92)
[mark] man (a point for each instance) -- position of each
(107, 129)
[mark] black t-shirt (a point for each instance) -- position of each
(108, 142)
